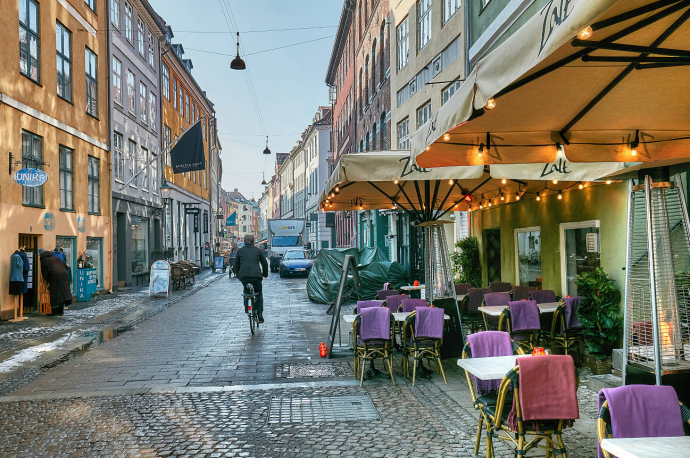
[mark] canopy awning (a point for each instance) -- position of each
(606, 79)
(388, 180)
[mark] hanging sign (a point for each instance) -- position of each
(160, 278)
(232, 220)
(196, 222)
(206, 223)
(30, 177)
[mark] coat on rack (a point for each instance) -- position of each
(54, 271)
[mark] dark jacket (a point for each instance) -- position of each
(54, 271)
(249, 258)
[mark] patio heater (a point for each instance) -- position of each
(657, 311)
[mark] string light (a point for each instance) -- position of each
(428, 148)
(555, 181)
(608, 182)
(395, 205)
(538, 197)
(490, 104)
(395, 181)
(504, 181)
(481, 150)
(581, 186)
(481, 206)
(503, 197)
(560, 150)
(586, 33)
(468, 198)
(446, 137)
(560, 195)
(517, 196)
(490, 204)
(635, 144)
(451, 182)
(337, 189)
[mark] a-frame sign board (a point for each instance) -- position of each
(349, 268)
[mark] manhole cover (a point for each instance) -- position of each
(317, 410)
(311, 370)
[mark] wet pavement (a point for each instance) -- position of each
(192, 381)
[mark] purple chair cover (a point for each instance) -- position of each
(409, 305)
(366, 304)
(475, 297)
(496, 299)
(488, 344)
(462, 288)
(394, 302)
(544, 296)
(386, 286)
(429, 322)
(572, 304)
(524, 315)
(522, 292)
(384, 293)
(376, 323)
(500, 287)
(642, 411)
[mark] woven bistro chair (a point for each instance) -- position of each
(545, 296)
(178, 276)
(479, 400)
(526, 336)
(379, 347)
(418, 345)
(500, 287)
(522, 292)
(394, 302)
(565, 327)
(471, 316)
(493, 300)
(498, 427)
(384, 293)
(462, 288)
(361, 305)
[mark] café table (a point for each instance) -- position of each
(399, 317)
(496, 310)
(490, 368)
(414, 291)
(648, 447)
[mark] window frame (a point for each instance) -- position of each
(94, 182)
(424, 24)
(143, 94)
(117, 80)
(119, 162)
(562, 227)
(115, 13)
(186, 106)
(447, 5)
(140, 37)
(152, 62)
(93, 79)
(33, 161)
(166, 81)
(421, 110)
(65, 59)
(516, 247)
(456, 83)
(129, 22)
(167, 141)
(144, 152)
(406, 39)
(66, 176)
(406, 138)
(31, 34)
(131, 92)
(91, 4)
(132, 152)
(152, 109)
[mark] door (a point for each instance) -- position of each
(528, 256)
(30, 243)
(68, 246)
(493, 254)
(580, 252)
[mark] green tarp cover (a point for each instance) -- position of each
(373, 267)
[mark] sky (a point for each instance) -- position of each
(288, 83)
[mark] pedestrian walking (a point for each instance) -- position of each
(54, 271)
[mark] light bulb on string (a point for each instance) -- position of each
(538, 197)
(451, 182)
(446, 137)
(586, 33)
(581, 186)
(395, 181)
(503, 197)
(635, 144)
(560, 150)
(555, 181)
(481, 150)
(609, 181)
(517, 196)
(504, 181)
(490, 104)
(560, 195)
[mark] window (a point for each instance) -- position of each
(140, 245)
(115, 12)
(174, 93)
(186, 106)
(145, 169)
(403, 43)
(119, 162)
(373, 67)
(128, 22)
(91, 83)
(132, 156)
(91, 3)
(94, 250)
(142, 102)
(28, 39)
(181, 100)
(152, 109)
(203, 128)
(140, 36)
(117, 81)
(32, 157)
(152, 61)
(450, 7)
(63, 46)
(154, 176)
(166, 140)
(580, 252)
(166, 82)
(450, 90)
(423, 114)
(131, 104)
(382, 41)
(423, 23)
(197, 114)
(94, 173)
(404, 134)
(66, 178)
(528, 256)
(382, 128)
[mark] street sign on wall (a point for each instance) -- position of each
(30, 177)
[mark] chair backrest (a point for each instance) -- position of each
(500, 287)
(489, 344)
(393, 302)
(429, 323)
(410, 305)
(524, 316)
(522, 292)
(361, 305)
(496, 299)
(462, 288)
(376, 323)
(543, 296)
(572, 304)
(384, 293)
(475, 297)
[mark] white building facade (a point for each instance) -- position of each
(318, 153)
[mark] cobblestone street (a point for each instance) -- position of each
(192, 381)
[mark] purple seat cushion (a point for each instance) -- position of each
(384, 293)
(496, 299)
(524, 315)
(429, 322)
(544, 296)
(393, 302)
(376, 323)
(409, 305)
(361, 305)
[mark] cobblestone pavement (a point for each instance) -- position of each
(192, 381)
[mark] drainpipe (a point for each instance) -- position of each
(110, 151)
(467, 39)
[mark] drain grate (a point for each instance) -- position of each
(317, 410)
(311, 370)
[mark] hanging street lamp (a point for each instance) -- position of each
(237, 63)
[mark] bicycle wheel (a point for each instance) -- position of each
(251, 315)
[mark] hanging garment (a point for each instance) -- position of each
(16, 274)
(27, 268)
(55, 273)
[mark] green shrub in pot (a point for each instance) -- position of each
(467, 267)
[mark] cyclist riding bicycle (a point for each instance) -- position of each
(251, 267)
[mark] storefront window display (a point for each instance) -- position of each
(67, 244)
(528, 256)
(94, 250)
(140, 245)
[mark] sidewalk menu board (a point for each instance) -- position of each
(160, 278)
(87, 283)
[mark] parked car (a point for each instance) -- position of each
(295, 262)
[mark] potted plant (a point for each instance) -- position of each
(466, 265)
(600, 317)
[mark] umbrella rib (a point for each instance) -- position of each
(391, 198)
(410, 202)
(632, 14)
(440, 208)
(419, 198)
(436, 188)
(663, 37)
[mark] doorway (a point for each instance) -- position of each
(30, 242)
(492, 239)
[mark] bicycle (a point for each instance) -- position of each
(249, 309)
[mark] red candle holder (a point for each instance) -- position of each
(322, 349)
(538, 351)
(416, 283)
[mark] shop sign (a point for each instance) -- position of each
(205, 222)
(31, 177)
(196, 222)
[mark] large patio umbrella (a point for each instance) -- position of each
(593, 81)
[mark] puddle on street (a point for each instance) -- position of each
(99, 337)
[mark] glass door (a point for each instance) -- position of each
(67, 245)
(94, 250)
(580, 252)
(528, 256)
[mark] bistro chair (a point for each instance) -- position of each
(500, 287)
(393, 302)
(530, 415)
(472, 317)
(494, 300)
(384, 293)
(484, 392)
(410, 305)
(462, 288)
(640, 411)
(545, 296)
(422, 338)
(373, 339)
(361, 305)
(566, 327)
(522, 292)
(521, 320)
